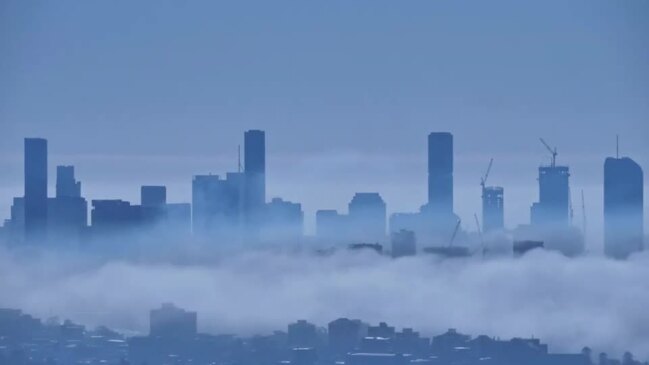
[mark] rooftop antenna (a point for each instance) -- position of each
(553, 151)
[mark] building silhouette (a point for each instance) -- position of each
(330, 226)
(255, 178)
(68, 211)
(367, 218)
(623, 207)
(302, 334)
(35, 203)
(153, 196)
(217, 205)
(283, 222)
(168, 321)
(493, 210)
(440, 173)
(553, 208)
(66, 184)
(403, 243)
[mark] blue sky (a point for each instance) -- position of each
(155, 91)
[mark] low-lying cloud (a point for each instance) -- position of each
(568, 303)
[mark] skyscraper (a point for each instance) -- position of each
(67, 213)
(255, 177)
(440, 173)
(493, 208)
(367, 218)
(553, 207)
(35, 188)
(66, 185)
(623, 207)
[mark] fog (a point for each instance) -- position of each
(568, 303)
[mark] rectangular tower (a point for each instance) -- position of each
(623, 207)
(255, 177)
(553, 207)
(493, 210)
(35, 188)
(440, 173)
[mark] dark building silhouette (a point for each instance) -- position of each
(367, 218)
(113, 216)
(170, 321)
(440, 173)
(302, 334)
(255, 176)
(66, 184)
(68, 211)
(345, 334)
(35, 188)
(623, 207)
(403, 243)
(493, 210)
(153, 196)
(553, 208)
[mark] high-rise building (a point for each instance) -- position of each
(302, 334)
(255, 178)
(553, 207)
(153, 196)
(493, 211)
(331, 227)
(623, 207)
(440, 173)
(367, 218)
(66, 184)
(284, 221)
(217, 205)
(35, 188)
(68, 211)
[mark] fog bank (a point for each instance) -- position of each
(568, 303)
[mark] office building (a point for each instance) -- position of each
(35, 203)
(367, 218)
(403, 243)
(302, 334)
(255, 177)
(284, 221)
(493, 210)
(553, 208)
(68, 211)
(153, 196)
(623, 207)
(217, 205)
(440, 173)
(66, 184)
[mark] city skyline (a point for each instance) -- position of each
(236, 202)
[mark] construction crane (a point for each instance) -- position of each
(457, 227)
(553, 151)
(483, 180)
(477, 224)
